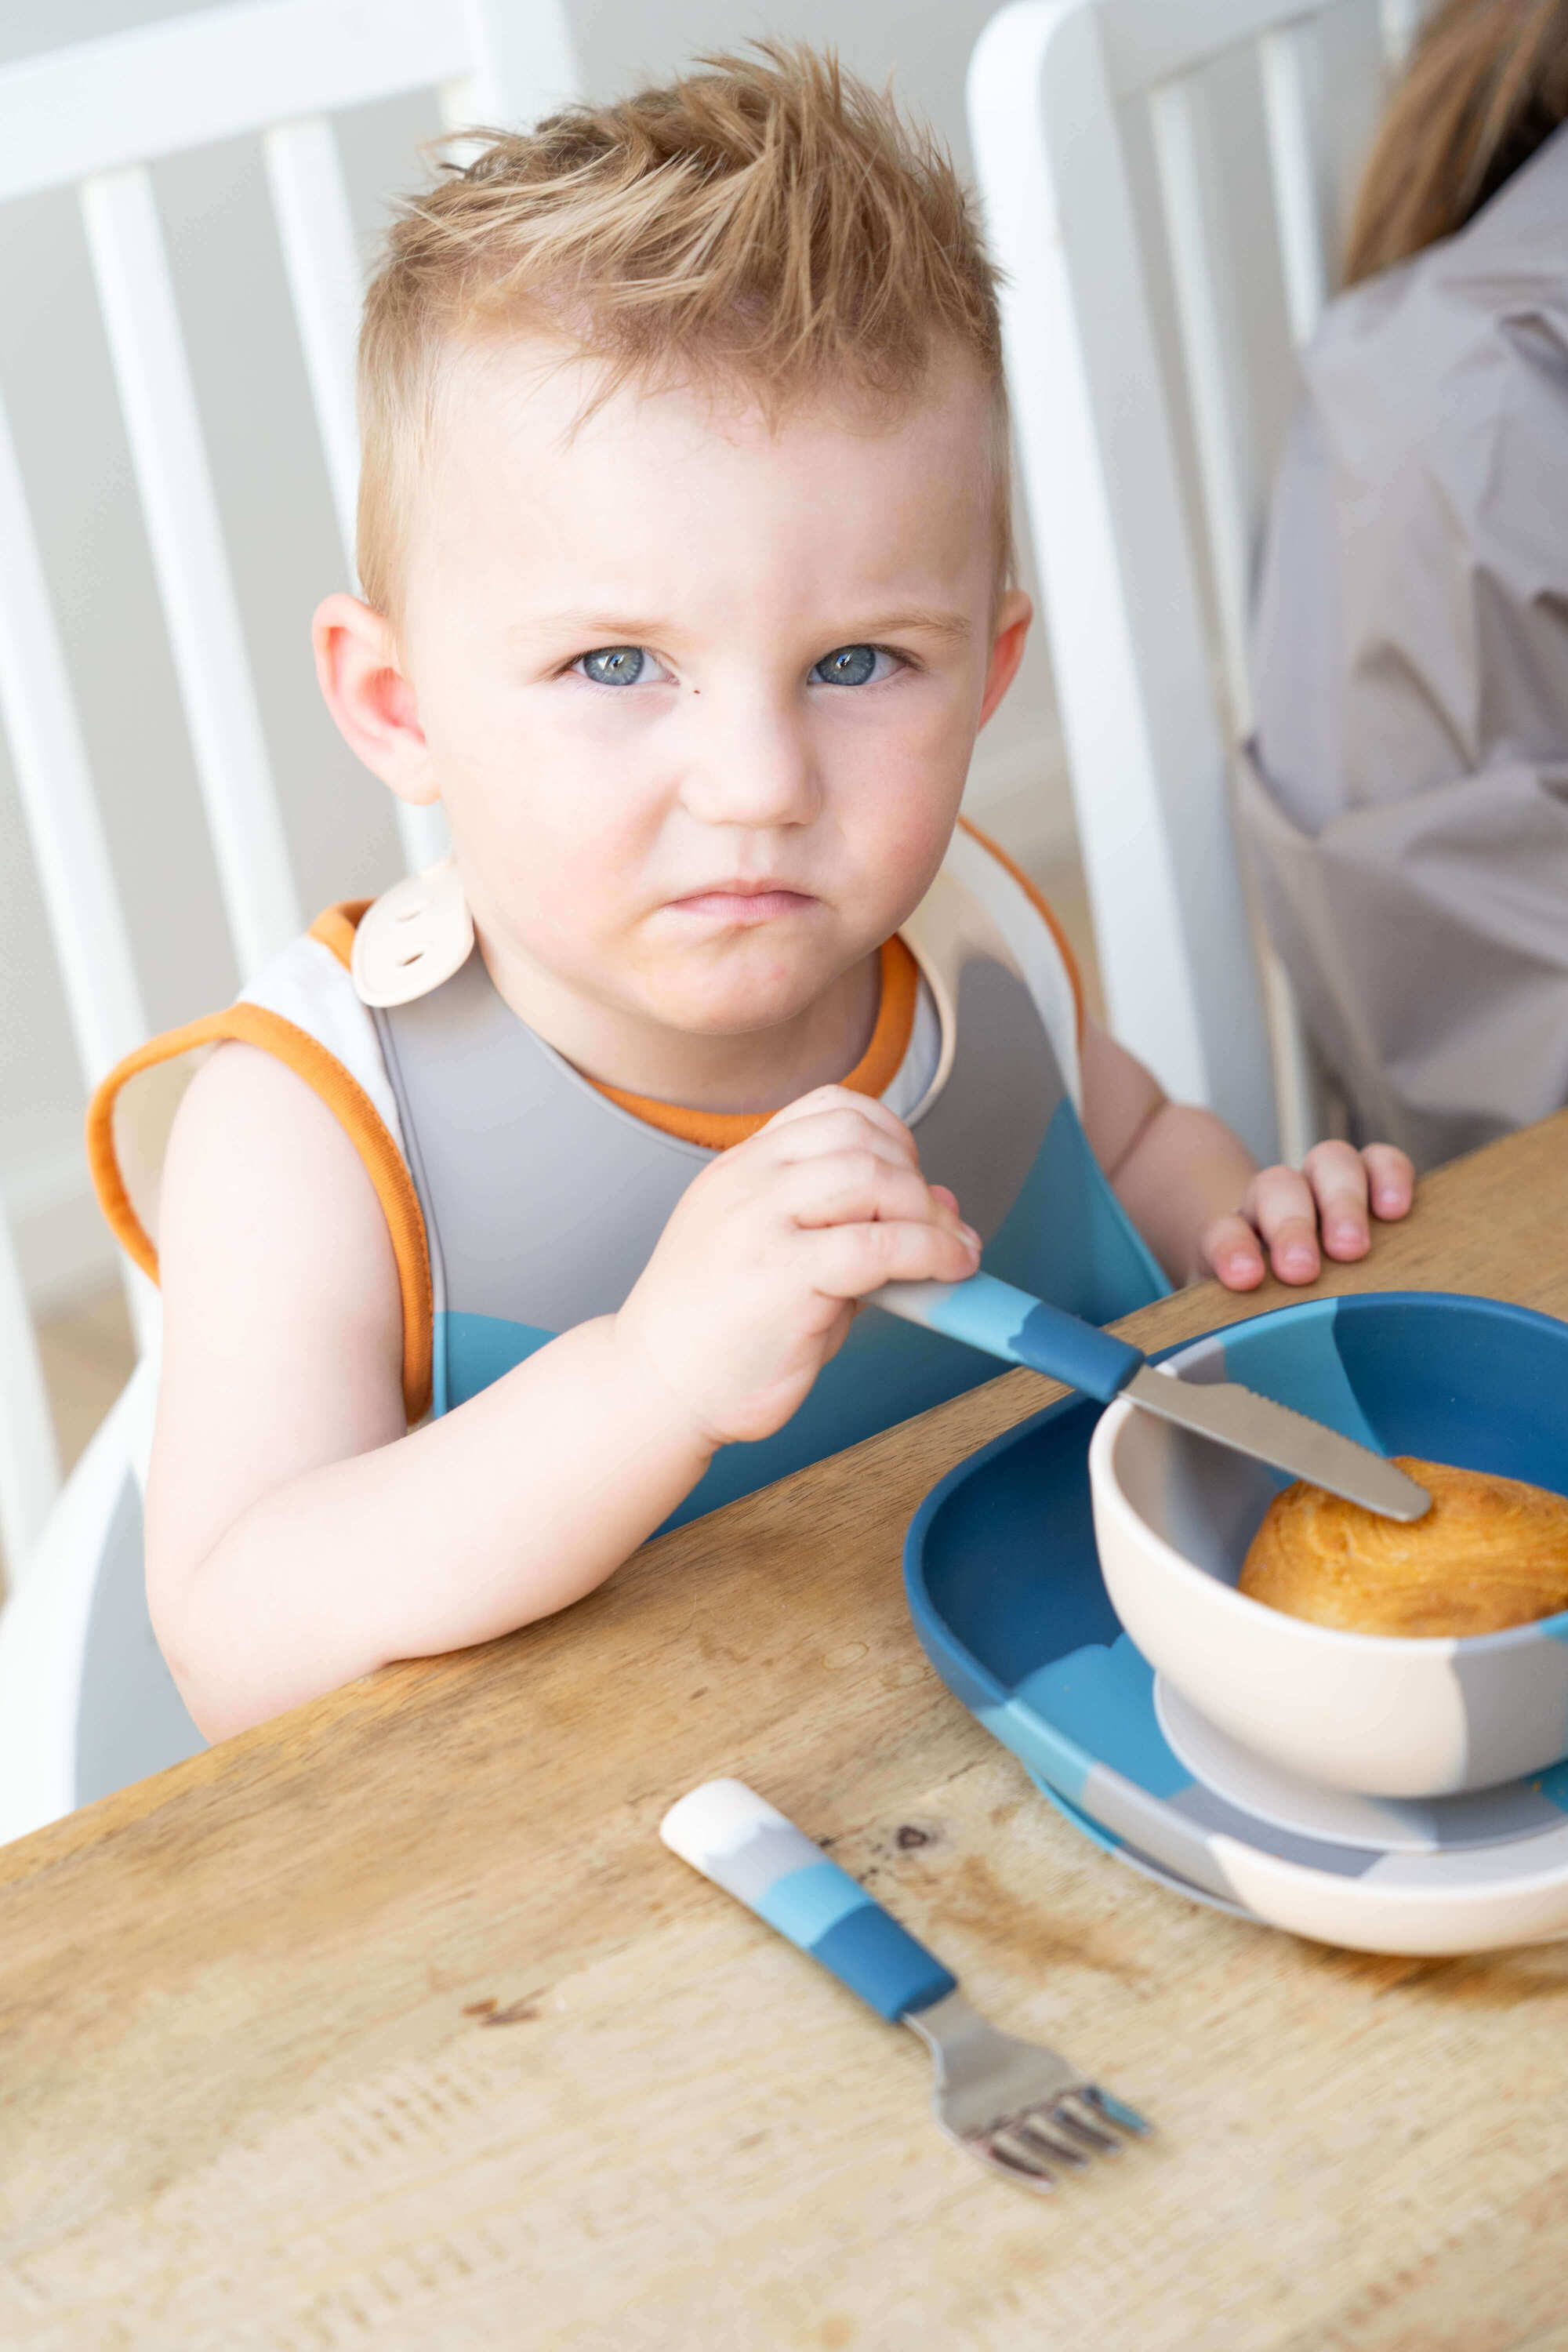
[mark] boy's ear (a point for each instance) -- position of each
(359, 668)
(1014, 615)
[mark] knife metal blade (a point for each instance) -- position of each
(1250, 1423)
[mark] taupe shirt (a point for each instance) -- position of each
(1407, 794)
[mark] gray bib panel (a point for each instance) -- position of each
(543, 1200)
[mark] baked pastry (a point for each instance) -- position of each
(1490, 1552)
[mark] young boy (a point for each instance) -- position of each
(686, 587)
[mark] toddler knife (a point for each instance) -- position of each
(993, 1315)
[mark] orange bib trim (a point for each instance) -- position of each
(253, 1025)
(719, 1130)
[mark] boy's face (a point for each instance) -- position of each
(698, 697)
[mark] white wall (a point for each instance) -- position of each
(55, 372)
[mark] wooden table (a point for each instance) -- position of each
(392, 2020)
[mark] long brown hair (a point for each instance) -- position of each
(1486, 85)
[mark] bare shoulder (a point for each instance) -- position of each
(259, 1166)
(239, 1083)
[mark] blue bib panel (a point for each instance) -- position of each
(1081, 1252)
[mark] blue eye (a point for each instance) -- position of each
(850, 665)
(615, 665)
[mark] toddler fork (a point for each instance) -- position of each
(1016, 2105)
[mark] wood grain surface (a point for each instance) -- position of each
(392, 2022)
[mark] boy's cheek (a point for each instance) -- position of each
(522, 808)
(906, 823)
(526, 873)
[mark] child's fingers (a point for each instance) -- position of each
(834, 1127)
(850, 1188)
(1391, 1177)
(1339, 1180)
(833, 1110)
(849, 1261)
(836, 1135)
(1230, 1249)
(1279, 1203)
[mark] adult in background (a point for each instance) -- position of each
(1408, 797)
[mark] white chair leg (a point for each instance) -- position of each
(44, 1626)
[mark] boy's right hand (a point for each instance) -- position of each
(752, 1287)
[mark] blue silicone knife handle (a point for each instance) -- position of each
(1020, 1328)
(754, 1852)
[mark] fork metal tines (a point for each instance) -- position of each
(1016, 2105)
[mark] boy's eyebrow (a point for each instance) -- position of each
(935, 624)
(589, 629)
(601, 629)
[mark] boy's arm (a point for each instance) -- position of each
(295, 1537)
(1199, 1198)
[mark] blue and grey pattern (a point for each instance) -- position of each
(1013, 1325)
(1006, 1595)
(1269, 1792)
(738, 1840)
(543, 1199)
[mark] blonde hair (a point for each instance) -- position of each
(1486, 84)
(767, 224)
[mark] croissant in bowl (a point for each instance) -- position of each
(1490, 1552)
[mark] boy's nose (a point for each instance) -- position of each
(750, 767)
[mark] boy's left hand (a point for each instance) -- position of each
(1287, 1212)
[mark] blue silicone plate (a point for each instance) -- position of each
(1004, 1590)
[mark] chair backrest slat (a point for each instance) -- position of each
(1216, 377)
(1144, 750)
(521, 64)
(1145, 45)
(1299, 176)
(1401, 21)
(315, 229)
(136, 293)
(1053, 87)
(132, 98)
(58, 808)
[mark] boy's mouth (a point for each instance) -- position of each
(742, 902)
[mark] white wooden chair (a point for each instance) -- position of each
(1066, 98)
(85, 1701)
